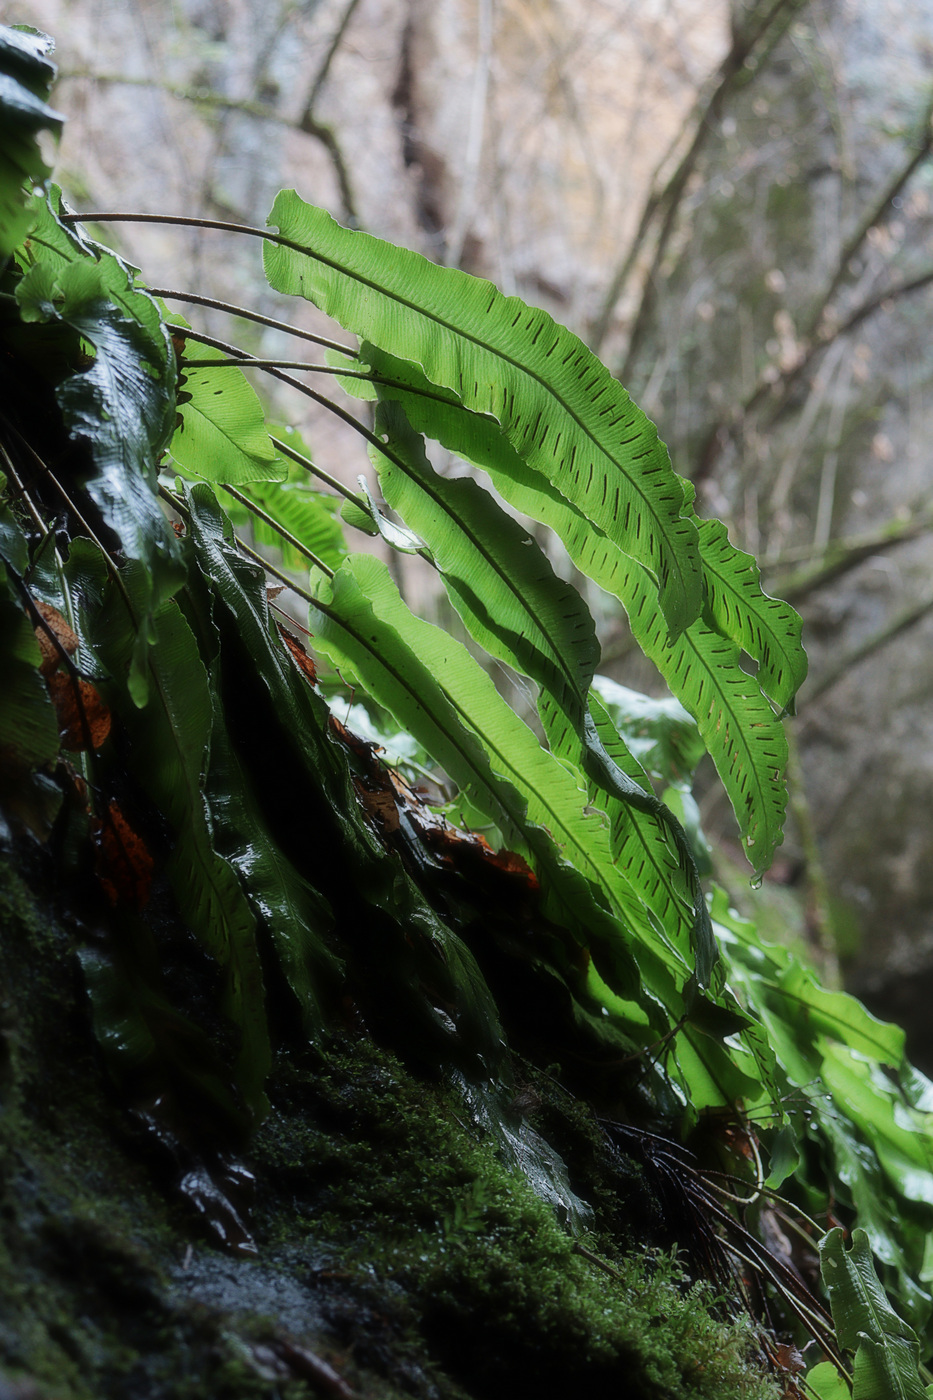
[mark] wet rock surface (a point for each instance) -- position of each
(391, 1253)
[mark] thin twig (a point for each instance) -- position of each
(733, 72)
(577, 1248)
(324, 69)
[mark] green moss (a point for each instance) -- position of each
(392, 1240)
(413, 1204)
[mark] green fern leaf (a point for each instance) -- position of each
(701, 667)
(665, 878)
(497, 576)
(513, 603)
(221, 431)
(766, 628)
(735, 721)
(310, 516)
(557, 405)
(887, 1352)
(438, 693)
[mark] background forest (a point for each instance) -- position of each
(731, 204)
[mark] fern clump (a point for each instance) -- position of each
(268, 879)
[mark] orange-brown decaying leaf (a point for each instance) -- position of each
(124, 865)
(299, 655)
(82, 715)
(66, 639)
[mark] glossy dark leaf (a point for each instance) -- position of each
(120, 403)
(26, 75)
(886, 1349)
(428, 963)
(437, 692)
(28, 728)
(170, 741)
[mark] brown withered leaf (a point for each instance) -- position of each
(470, 852)
(380, 806)
(66, 639)
(385, 794)
(364, 749)
(82, 714)
(300, 657)
(123, 865)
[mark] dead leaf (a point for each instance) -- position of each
(385, 794)
(380, 807)
(82, 714)
(62, 633)
(123, 866)
(300, 657)
(470, 851)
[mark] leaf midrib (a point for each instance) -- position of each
(659, 526)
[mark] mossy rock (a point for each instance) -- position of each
(389, 1250)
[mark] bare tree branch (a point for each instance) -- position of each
(474, 149)
(841, 556)
(874, 215)
(777, 384)
(764, 28)
(324, 69)
(310, 124)
(841, 667)
(215, 101)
